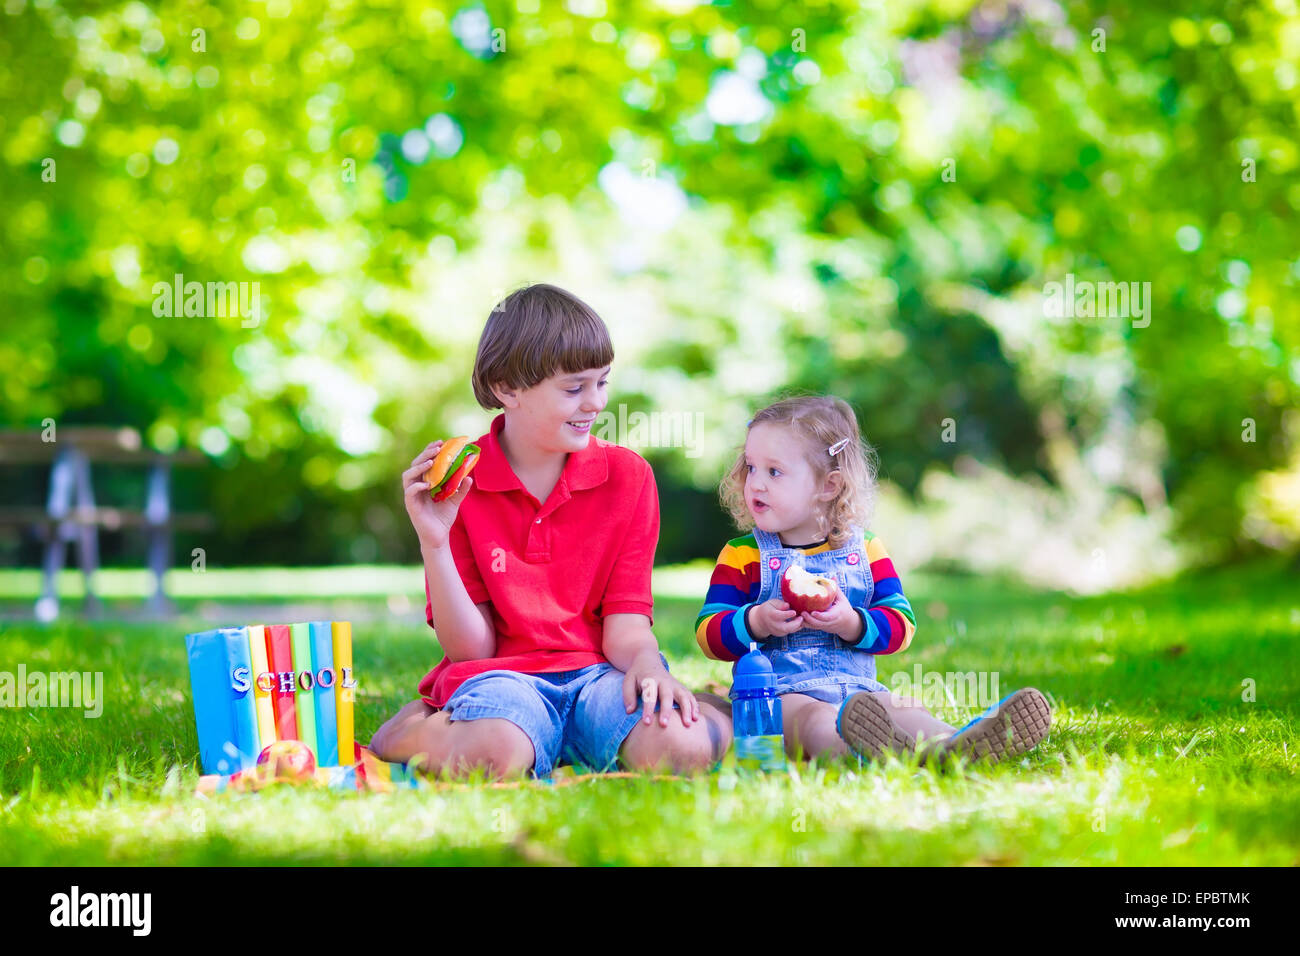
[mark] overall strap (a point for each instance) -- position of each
(768, 545)
(767, 541)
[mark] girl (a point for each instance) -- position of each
(805, 483)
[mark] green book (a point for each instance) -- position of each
(304, 697)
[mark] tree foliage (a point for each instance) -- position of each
(863, 199)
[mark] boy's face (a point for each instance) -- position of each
(779, 486)
(557, 413)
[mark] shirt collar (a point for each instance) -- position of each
(583, 469)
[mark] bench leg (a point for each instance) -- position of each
(47, 605)
(157, 509)
(62, 479)
(87, 536)
(159, 559)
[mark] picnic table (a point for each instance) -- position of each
(71, 513)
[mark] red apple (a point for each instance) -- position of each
(290, 760)
(807, 592)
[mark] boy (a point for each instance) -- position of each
(537, 572)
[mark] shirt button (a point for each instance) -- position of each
(539, 521)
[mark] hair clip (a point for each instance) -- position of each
(748, 423)
(837, 447)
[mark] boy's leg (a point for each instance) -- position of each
(433, 742)
(678, 747)
(496, 720)
(604, 734)
(397, 727)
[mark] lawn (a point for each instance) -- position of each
(1158, 753)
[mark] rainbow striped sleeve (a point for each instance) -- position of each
(890, 621)
(720, 629)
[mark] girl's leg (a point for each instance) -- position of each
(809, 727)
(875, 723)
(439, 743)
(912, 717)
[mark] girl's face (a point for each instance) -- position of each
(558, 412)
(780, 486)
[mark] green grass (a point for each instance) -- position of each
(1154, 756)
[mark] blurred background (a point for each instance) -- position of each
(866, 199)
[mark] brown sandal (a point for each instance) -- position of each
(866, 726)
(1017, 723)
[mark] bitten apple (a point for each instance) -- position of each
(807, 592)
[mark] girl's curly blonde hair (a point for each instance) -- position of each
(816, 422)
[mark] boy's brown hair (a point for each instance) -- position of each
(816, 423)
(534, 333)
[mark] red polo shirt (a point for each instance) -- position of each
(551, 570)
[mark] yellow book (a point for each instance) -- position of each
(261, 696)
(344, 693)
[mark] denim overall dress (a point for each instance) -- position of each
(809, 661)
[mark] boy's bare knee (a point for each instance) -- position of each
(386, 743)
(378, 744)
(675, 747)
(718, 725)
(493, 743)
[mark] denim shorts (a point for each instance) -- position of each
(572, 717)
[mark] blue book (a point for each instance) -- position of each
(213, 684)
(322, 659)
(239, 660)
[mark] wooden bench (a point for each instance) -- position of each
(71, 514)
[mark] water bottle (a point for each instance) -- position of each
(756, 714)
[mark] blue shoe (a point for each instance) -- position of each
(1017, 723)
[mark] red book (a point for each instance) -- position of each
(279, 645)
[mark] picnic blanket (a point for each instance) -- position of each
(369, 773)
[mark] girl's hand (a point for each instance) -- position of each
(840, 619)
(772, 618)
(432, 519)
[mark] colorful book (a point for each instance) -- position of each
(240, 668)
(344, 695)
(369, 774)
(304, 696)
(280, 643)
(213, 687)
(261, 693)
(322, 665)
